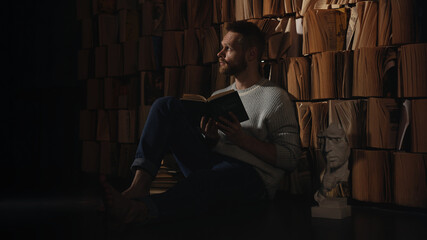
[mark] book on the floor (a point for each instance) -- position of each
(215, 106)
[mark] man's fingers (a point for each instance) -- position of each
(234, 117)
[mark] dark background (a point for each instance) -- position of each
(41, 98)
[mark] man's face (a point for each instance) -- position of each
(232, 58)
(335, 146)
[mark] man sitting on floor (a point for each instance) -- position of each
(225, 161)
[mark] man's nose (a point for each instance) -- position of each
(220, 53)
(328, 145)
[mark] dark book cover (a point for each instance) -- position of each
(215, 106)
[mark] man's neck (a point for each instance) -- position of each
(247, 79)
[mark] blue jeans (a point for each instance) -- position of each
(210, 178)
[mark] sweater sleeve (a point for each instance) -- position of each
(283, 131)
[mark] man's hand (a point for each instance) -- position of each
(209, 129)
(232, 129)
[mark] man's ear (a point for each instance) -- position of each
(252, 54)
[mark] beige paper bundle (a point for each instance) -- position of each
(199, 13)
(344, 73)
(152, 17)
(367, 25)
(319, 122)
(371, 178)
(107, 125)
(130, 57)
(192, 54)
(174, 77)
(151, 87)
(114, 60)
(403, 19)
(108, 29)
(323, 78)
(129, 92)
(211, 45)
(146, 57)
(127, 130)
(410, 187)
(324, 30)
(111, 93)
(175, 15)
(273, 8)
(224, 11)
(418, 127)
(297, 70)
(100, 62)
(248, 9)
(382, 123)
(412, 70)
(173, 47)
(373, 71)
(384, 23)
(350, 115)
(128, 25)
(95, 96)
(304, 120)
(109, 158)
(197, 80)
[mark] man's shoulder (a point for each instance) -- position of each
(222, 90)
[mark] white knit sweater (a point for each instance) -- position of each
(272, 119)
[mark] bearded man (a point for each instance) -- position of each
(224, 162)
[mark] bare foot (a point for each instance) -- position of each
(122, 209)
(140, 186)
(134, 193)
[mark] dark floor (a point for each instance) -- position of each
(74, 216)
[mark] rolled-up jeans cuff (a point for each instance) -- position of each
(148, 166)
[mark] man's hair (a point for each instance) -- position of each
(252, 36)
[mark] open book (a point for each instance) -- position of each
(215, 106)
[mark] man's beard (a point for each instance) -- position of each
(233, 69)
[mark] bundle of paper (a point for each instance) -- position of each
(109, 158)
(224, 11)
(412, 70)
(324, 30)
(323, 79)
(197, 80)
(384, 23)
(115, 60)
(304, 120)
(152, 17)
(366, 28)
(418, 127)
(374, 72)
(107, 127)
(199, 13)
(404, 21)
(173, 48)
(371, 176)
(382, 123)
(128, 25)
(297, 72)
(174, 77)
(409, 185)
(108, 29)
(248, 9)
(175, 15)
(273, 8)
